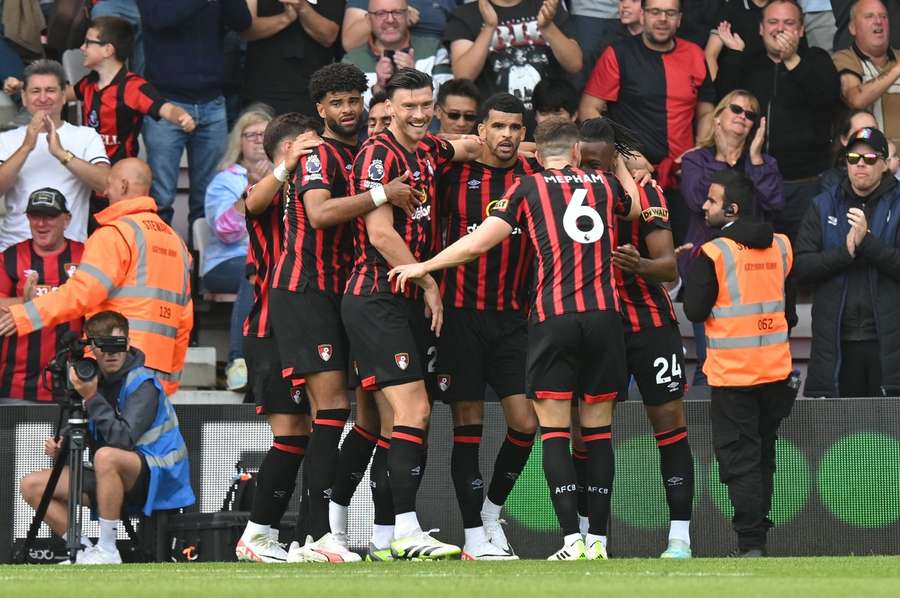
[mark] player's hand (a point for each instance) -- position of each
(7, 324)
(30, 287)
(186, 122)
(86, 389)
(859, 226)
(302, 145)
(384, 69)
(400, 195)
(258, 171)
(405, 60)
(52, 446)
(12, 86)
(687, 247)
(730, 40)
(489, 17)
(546, 13)
(434, 307)
(627, 257)
(757, 144)
(400, 275)
(642, 176)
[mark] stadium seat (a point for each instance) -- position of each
(201, 236)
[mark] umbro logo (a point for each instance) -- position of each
(832, 220)
(473, 184)
(417, 470)
(675, 481)
(477, 484)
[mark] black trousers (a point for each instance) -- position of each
(860, 374)
(745, 426)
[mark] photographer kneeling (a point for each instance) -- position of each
(139, 456)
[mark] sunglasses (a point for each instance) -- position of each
(869, 159)
(470, 118)
(748, 114)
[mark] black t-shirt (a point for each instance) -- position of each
(519, 56)
(745, 17)
(698, 19)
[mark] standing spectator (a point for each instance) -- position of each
(658, 86)
(699, 19)
(392, 46)
(595, 25)
(740, 18)
(48, 152)
(457, 106)
(630, 22)
(857, 120)
(426, 18)
(223, 268)
(554, 98)
(290, 36)
(798, 90)
(127, 10)
(869, 68)
(819, 22)
(841, 12)
(848, 248)
(183, 45)
(29, 269)
(510, 45)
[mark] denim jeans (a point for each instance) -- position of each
(128, 10)
(205, 147)
(230, 277)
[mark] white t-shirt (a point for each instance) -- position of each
(43, 170)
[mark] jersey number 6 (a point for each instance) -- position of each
(575, 210)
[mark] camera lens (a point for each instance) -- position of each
(86, 369)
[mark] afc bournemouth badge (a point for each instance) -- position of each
(402, 360)
(443, 381)
(325, 352)
(70, 269)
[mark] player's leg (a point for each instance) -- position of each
(579, 460)
(466, 474)
(383, 524)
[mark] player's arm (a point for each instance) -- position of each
(178, 116)
(466, 148)
(659, 267)
(325, 212)
(630, 187)
(704, 118)
(259, 197)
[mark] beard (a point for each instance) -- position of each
(341, 129)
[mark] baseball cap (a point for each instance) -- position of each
(871, 137)
(46, 201)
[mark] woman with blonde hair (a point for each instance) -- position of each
(736, 141)
(223, 269)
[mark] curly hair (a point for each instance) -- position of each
(336, 77)
(606, 130)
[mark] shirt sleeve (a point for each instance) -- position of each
(654, 210)
(94, 151)
(459, 25)
(141, 96)
(707, 90)
(78, 88)
(441, 149)
(604, 80)
(510, 208)
(372, 168)
(316, 171)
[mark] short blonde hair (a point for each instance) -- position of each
(251, 116)
(709, 140)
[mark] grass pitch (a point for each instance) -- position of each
(773, 577)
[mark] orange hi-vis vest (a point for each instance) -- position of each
(137, 265)
(746, 332)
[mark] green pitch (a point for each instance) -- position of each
(818, 577)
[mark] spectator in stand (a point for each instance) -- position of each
(848, 248)
(379, 119)
(287, 36)
(841, 12)
(184, 45)
(870, 68)
(630, 22)
(657, 85)
(128, 11)
(699, 19)
(736, 142)
(223, 269)
(48, 152)
(427, 18)
(798, 90)
(457, 106)
(818, 20)
(595, 25)
(857, 120)
(554, 98)
(393, 46)
(510, 45)
(740, 18)
(29, 269)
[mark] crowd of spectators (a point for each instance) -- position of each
(774, 88)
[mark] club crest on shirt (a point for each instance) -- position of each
(70, 269)
(443, 381)
(93, 119)
(376, 170)
(325, 352)
(402, 360)
(296, 396)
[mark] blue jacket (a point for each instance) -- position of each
(224, 189)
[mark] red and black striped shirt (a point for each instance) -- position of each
(23, 357)
(567, 214)
(117, 111)
(497, 279)
(644, 304)
(381, 159)
(318, 258)
(262, 254)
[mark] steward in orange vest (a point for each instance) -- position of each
(134, 264)
(736, 288)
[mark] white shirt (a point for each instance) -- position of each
(43, 170)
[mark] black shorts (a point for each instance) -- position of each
(656, 360)
(387, 338)
(580, 351)
(478, 348)
(309, 331)
(135, 497)
(266, 387)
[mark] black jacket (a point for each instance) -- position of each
(701, 288)
(851, 288)
(802, 104)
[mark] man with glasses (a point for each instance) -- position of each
(457, 107)
(393, 46)
(847, 249)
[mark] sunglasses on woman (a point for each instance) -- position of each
(868, 159)
(748, 114)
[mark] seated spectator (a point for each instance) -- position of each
(287, 37)
(392, 46)
(31, 268)
(740, 19)
(870, 68)
(554, 98)
(857, 120)
(511, 47)
(848, 249)
(48, 152)
(224, 259)
(457, 107)
(426, 18)
(818, 20)
(379, 119)
(736, 142)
